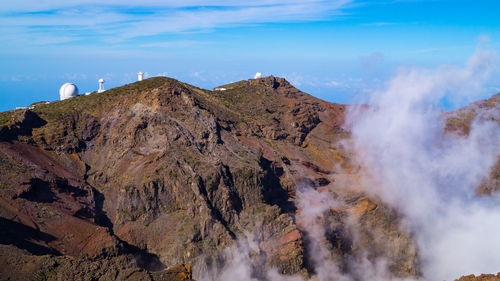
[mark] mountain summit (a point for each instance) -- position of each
(153, 180)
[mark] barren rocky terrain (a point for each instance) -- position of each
(153, 180)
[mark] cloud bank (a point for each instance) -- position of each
(429, 176)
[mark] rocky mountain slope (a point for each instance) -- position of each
(149, 180)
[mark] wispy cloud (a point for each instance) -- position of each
(175, 44)
(380, 23)
(437, 50)
(40, 6)
(334, 83)
(54, 22)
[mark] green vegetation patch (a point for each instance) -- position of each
(10, 167)
(242, 101)
(5, 117)
(97, 103)
(10, 117)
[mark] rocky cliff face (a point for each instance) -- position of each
(123, 184)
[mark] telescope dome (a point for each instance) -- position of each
(68, 90)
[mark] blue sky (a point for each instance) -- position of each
(334, 50)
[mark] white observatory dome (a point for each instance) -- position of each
(68, 90)
(258, 75)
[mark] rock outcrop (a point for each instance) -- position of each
(482, 277)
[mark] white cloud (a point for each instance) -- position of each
(333, 83)
(431, 177)
(165, 74)
(296, 79)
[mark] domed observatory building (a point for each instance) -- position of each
(67, 91)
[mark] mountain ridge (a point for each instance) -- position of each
(159, 172)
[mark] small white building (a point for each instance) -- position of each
(257, 75)
(220, 89)
(140, 75)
